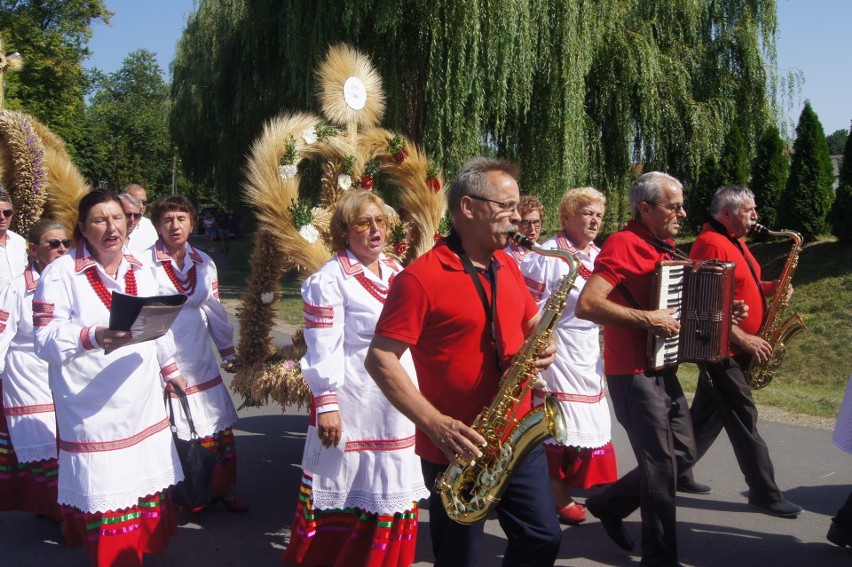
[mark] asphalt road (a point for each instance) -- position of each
(713, 530)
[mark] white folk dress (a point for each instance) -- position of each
(203, 317)
(380, 473)
(115, 445)
(576, 376)
(27, 400)
(518, 253)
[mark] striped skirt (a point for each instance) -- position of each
(351, 537)
(120, 538)
(581, 467)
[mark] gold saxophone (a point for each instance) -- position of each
(471, 490)
(774, 331)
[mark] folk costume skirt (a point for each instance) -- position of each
(120, 538)
(581, 467)
(27, 487)
(351, 537)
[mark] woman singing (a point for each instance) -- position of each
(367, 513)
(180, 268)
(116, 455)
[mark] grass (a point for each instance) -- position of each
(814, 372)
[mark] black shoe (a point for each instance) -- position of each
(837, 537)
(782, 509)
(612, 524)
(690, 486)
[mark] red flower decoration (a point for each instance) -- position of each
(400, 248)
(433, 184)
(436, 237)
(400, 156)
(367, 182)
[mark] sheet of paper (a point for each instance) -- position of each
(319, 460)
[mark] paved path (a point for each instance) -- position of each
(714, 530)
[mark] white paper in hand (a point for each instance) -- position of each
(321, 461)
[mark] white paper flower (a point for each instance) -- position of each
(289, 364)
(309, 233)
(267, 297)
(344, 181)
(310, 135)
(287, 171)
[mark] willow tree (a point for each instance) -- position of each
(576, 91)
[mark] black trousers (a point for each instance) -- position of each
(843, 519)
(526, 513)
(655, 413)
(723, 399)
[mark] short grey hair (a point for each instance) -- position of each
(128, 198)
(729, 197)
(471, 180)
(650, 188)
(5, 198)
(42, 227)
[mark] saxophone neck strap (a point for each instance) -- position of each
(454, 242)
(722, 229)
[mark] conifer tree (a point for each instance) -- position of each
(769, 172)
(730, 169)
(809, 194)
(841, 211)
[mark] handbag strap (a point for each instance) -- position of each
(184, 403)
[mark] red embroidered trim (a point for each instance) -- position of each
(27, 410)
(216, 289)
(379, 444)
(169, 369)
(4, 315)
(318, 310)
(201, 387)
(85, 338)
(30, 277)
(325, 400)
(565, 244)
(103, 446)
(577, 398)
(310, 324)
(42, 313)
(191, 279)
(100, 289)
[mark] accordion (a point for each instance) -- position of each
(703, 294)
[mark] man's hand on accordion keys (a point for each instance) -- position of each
(739, 312)
(662, 323)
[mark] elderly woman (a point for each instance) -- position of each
(576, 376)
(367, 513)
(180, 268)
(532, 213)
(116, 455)
(29, 464)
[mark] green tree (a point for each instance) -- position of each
(126, 127)
(576, 92)
(809, 194)
(769, 171)
(52, 38)
(837, 141)
(730, 169)
(841, 211)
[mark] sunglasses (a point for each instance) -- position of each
(143, 202)
(8, 213)
(133, 216)
(362, 224)
(54, 243)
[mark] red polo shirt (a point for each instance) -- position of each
(628, 258)
(712, 244)
(434, 307)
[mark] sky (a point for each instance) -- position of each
(813, 41)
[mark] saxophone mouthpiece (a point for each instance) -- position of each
(758, 228)
(524, 241)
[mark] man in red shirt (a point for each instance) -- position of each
(649, 403)
(463, 310)
(723, 396)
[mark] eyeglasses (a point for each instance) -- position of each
(676, 208)
(143, 202)
(505, 206)
(530, 223)
(133, 216)
(362, 224)
(54, 243)
(8, 213)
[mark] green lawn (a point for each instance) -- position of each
(813, 375)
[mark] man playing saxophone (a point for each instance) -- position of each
(463, 310)
(723, 396)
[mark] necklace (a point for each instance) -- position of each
(189, 289)
(100, 289)
(373, 288)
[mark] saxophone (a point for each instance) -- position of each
(471, 490)
(774, 331)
